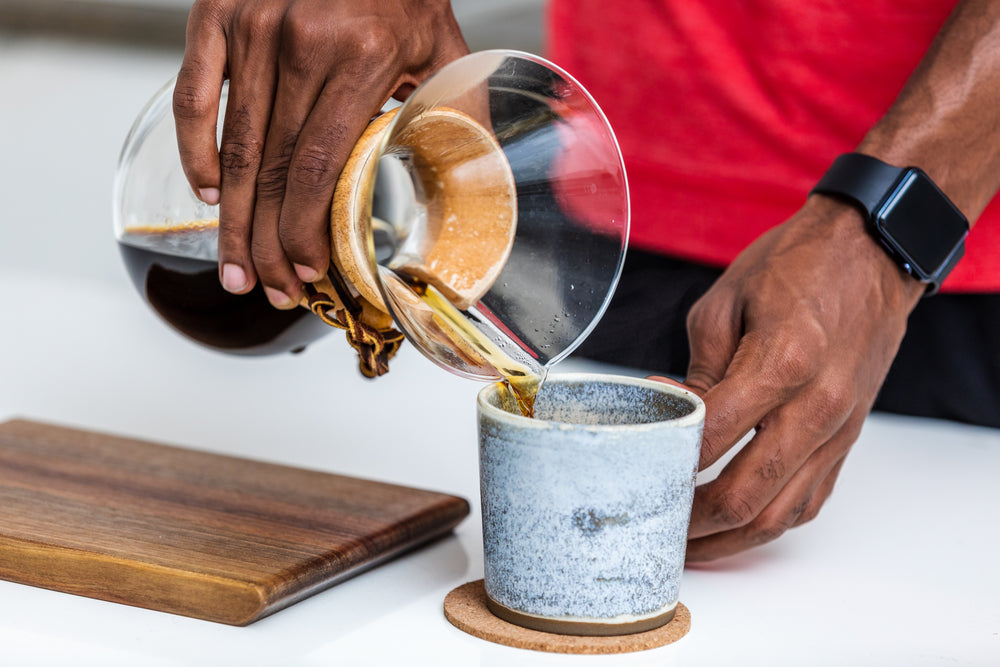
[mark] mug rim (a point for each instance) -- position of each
(696, 416)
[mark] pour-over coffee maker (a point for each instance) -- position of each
(486, 218)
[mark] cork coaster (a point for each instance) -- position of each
(465, 608)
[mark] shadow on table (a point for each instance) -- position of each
(353, 604)
(741, 562)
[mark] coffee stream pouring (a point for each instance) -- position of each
(486, 218)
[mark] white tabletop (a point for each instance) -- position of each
(899, 568)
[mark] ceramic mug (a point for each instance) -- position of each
(586, 506)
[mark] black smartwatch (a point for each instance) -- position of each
(907, 213)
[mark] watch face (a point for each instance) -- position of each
(921, 223)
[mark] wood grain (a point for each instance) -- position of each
(204, 535)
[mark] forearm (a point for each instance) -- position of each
(947, 118)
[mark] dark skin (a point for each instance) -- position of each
(305, 78)
(794, 340)
(797, 335)
(800, 365)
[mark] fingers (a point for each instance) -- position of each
(771, 367)
(773, 378)
(734, 407)
(323, 147)
(741, 520)
(251, 89)
(797, 505)
(299, 84)
(196, 102)
(306, 76)
(314, 126)
(738, 402)
(810, 421)
(785, 440)
(804, 372)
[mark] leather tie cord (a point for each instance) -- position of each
(375, 346)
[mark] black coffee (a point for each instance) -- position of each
(186, 293)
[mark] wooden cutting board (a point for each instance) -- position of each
(214, 537)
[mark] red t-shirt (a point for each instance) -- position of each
(729, 112)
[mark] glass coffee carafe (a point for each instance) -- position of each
(486, 218)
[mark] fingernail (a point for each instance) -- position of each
(278, 298)
(234, 279)
(306, 274)
(209, 195)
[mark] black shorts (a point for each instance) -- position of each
(948, 365)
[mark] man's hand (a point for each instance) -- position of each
(305, 78)
(794, 340)
(798, 334)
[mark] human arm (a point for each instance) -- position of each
(305, 77)
(797, 336)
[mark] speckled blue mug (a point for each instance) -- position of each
(586, 507)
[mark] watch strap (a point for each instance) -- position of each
(860, 177)
(946, 269)
(878, 189)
